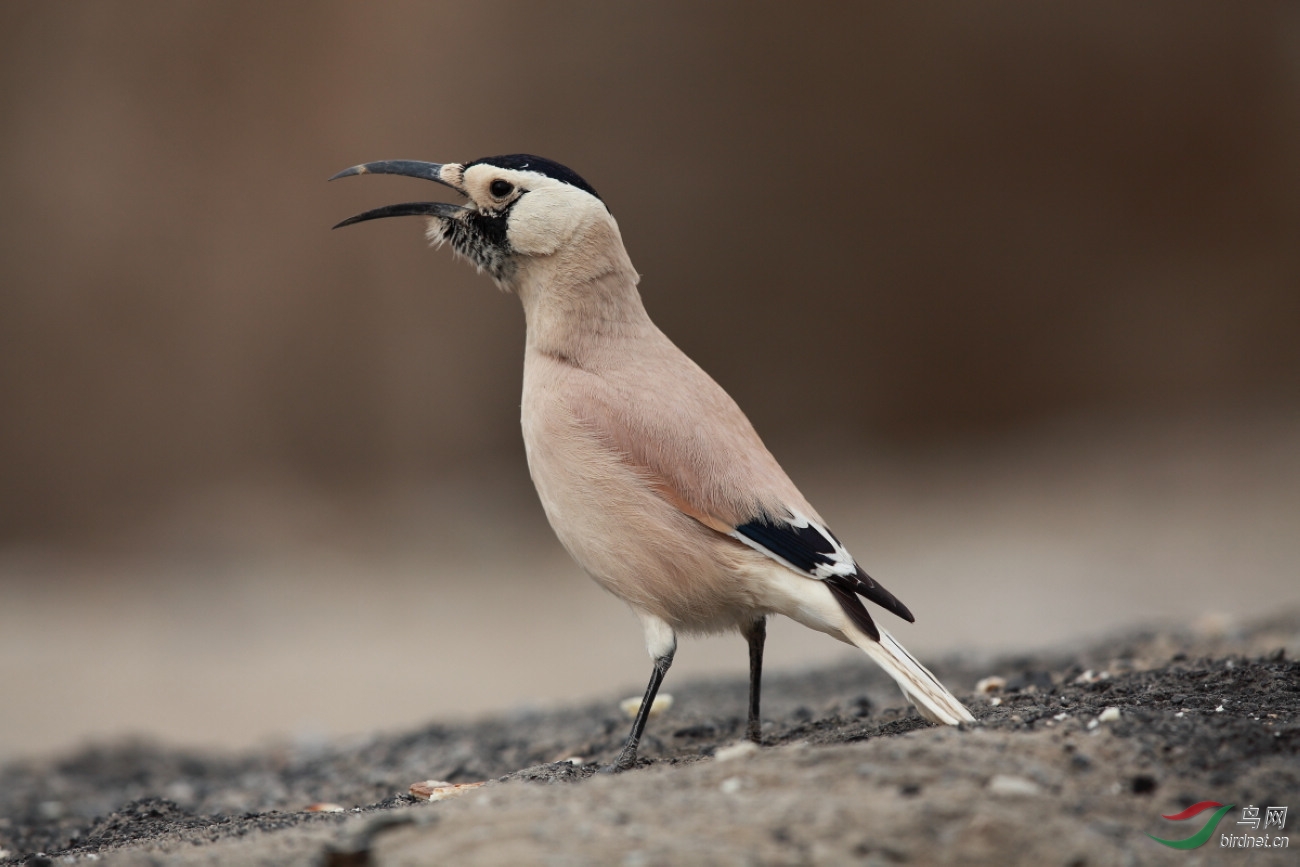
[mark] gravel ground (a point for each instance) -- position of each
(847, 774)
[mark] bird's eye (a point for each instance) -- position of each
(500, 189)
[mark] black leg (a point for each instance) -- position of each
(756, 634)
(627, 758)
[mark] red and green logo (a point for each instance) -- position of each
(1199, 838)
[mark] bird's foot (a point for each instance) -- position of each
(626, 761)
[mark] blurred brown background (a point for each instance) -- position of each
(939, 254)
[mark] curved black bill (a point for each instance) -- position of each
(407, 209)
(408, 168)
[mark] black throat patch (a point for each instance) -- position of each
(483, 240)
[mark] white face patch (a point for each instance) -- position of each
(543, 214)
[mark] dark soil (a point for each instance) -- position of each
(1200, 717)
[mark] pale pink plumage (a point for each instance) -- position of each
(650, 474)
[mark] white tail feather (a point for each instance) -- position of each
(919, 686)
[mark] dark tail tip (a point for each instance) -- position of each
(871, 589)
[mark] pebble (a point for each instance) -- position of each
(1006, 784)
(324, 807)
(737, 750)
(437, 790)
(1110, 714)
(1091, 676)
(630, 706)
(991, 684)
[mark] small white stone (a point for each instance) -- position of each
(731, 785)
(1092, 724)
(1011, 786)
(630, 706)
(995, 701)
(991, 684)
(738, 750)
(1061, 717)
(1091, 676)
(1110, 714)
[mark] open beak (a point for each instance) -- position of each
(412, 169)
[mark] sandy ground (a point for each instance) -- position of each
(1074, 761)
(180, 694)
(253, 617)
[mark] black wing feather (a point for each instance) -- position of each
(803, 547)
(814, 552)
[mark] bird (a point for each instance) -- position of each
(650, 474)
